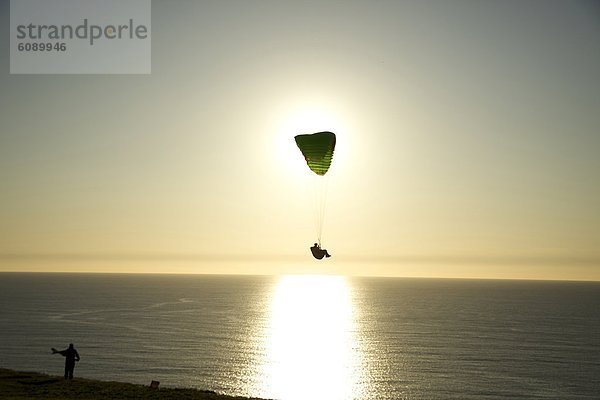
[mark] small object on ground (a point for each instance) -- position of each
(154, 385)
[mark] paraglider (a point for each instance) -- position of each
(318, 252)
(317, 149)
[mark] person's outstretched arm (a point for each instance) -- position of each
(61, 352)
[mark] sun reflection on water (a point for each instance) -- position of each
(311, 350)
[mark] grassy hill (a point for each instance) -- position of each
(17, 385)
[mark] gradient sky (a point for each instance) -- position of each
(468, 143)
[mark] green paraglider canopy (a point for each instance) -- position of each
(317, 150)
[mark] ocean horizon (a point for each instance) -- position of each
(311, 336)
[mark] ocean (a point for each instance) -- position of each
(311, 337)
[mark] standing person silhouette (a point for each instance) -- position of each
(71, 355)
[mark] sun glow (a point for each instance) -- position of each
(311, 350)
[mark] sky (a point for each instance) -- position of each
(468, 141)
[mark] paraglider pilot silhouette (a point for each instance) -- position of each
(318, 252)
(71, 355)
(317, 150)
